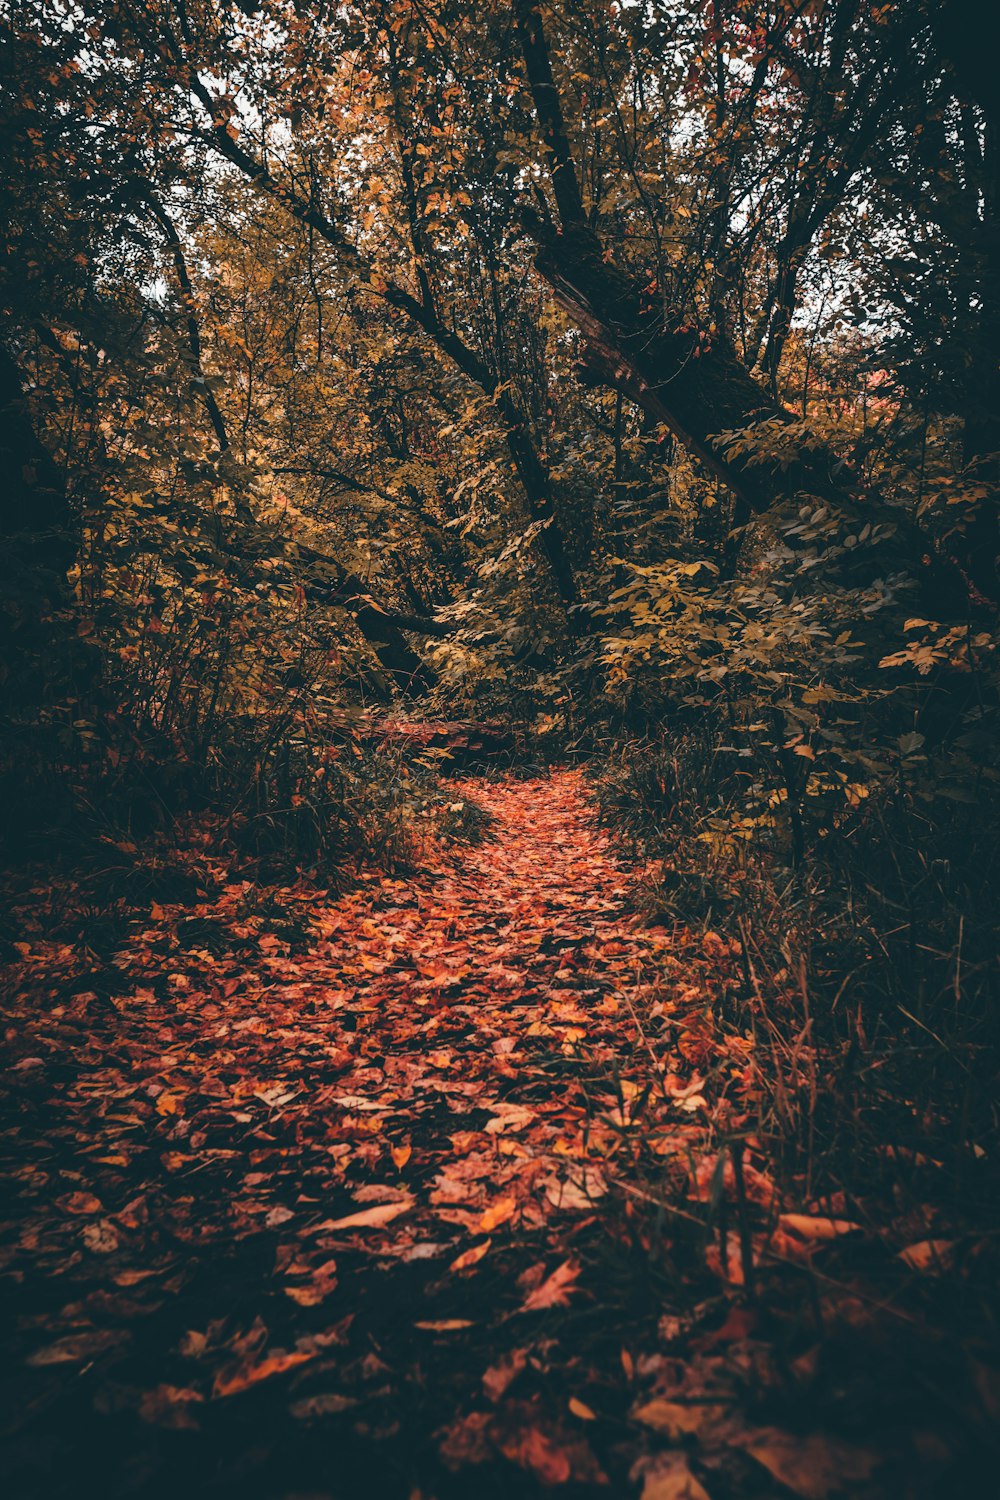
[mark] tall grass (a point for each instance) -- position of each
(867, 970)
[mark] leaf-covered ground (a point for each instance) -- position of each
(420, 1190)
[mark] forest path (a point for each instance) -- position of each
(419, 1191)
(295, 1173)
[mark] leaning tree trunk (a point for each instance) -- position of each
(689, 379)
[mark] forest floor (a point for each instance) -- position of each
(423, 1189)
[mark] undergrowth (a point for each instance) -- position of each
(865, 973)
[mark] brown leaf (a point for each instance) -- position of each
(812, 1227)
(367, 1218)
(320, 1285)
(535, 1450)
(326, 1405)
(498, 1213)
(470, 1257)
(167, 1406)
(75, 1348)
(678, 1419)
(555, 1290)
(576, 1194)
(933, 1256)
(499, 1377)
(553, 1454)
(100, 1238)
(509, 1117)
(466, 1441)
(813, 1466)
(672, 1479)
(80, 1203)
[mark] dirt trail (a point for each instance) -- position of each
(421, 1191)
(290, 1177)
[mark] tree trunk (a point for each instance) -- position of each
(692, 381)
(37, 544)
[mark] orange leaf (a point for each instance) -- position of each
(81, 1203)
(535, 1450)
(231, 1382)
(929, 1255)
(582, 1410)
(498, 1213)
(470, 1257)
(443, 1325)
(368, 1218)
(811, 1227)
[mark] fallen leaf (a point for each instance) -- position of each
(75, 1348)
(401, 1155)
(679, 1419)
(576, 1195)
(326, 1405)
(498, 1213)
(582, 1410)
(231, 1382)
(444, 1325)
(509, 1117)
(320, 1285)
(813, 1466)
(466, 1441)
(809, 1227)
(176, 1161)
(132, 1277)
(933, 1256)
(672, 1479)
(499, 1377)
(368, 1218)
(81, 1203)
(535, 1450)
(554, 1454)
(470, 1257)
(167, 1406)
(555, 1290)
(100, 1238)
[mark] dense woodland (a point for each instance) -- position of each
(499, 687)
